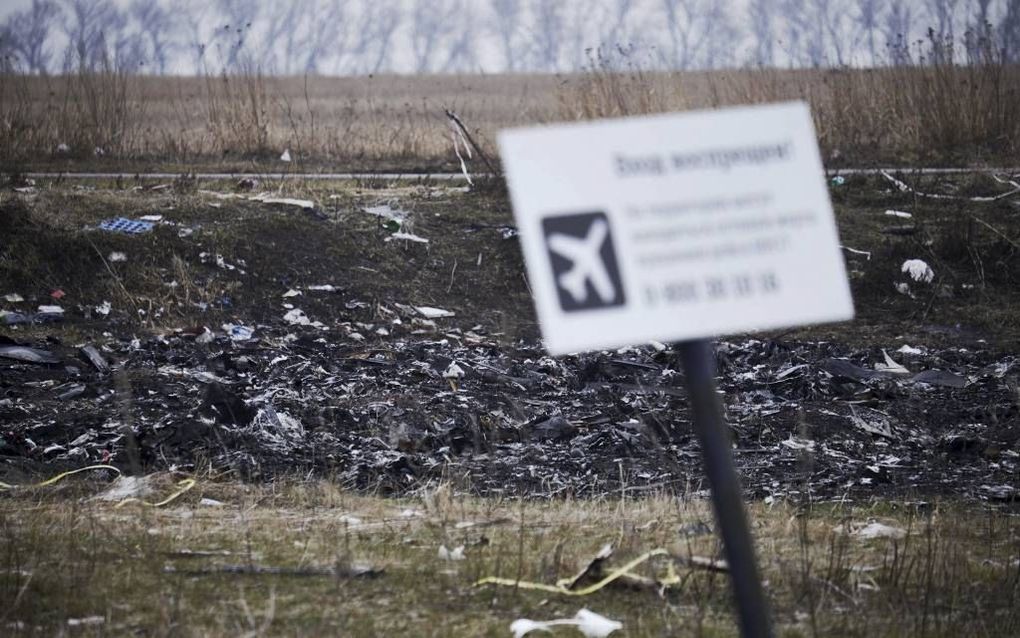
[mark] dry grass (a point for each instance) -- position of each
(66, 556)
(923, 113)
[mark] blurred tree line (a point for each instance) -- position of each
(351, 37)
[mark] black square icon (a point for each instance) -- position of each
(583, 258)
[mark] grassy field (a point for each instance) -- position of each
(952, 115)
(203, 565)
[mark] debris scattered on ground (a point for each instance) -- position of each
(875, 530)
(116, 256)
(918, 270)
(898, 213)
(407, 237)
(864, 253)
(125, 487)
(457, 553)
(285, 201)
(589, 623)
(92, 355)
(388, 213)
(433, 313)
(285, 156)
(87, 621)
(13, 298)
(124, 225)
(356, 570)
(28, 355)
(311, 398)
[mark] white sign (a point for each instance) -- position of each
(675, 227)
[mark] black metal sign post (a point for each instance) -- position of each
(698, 361)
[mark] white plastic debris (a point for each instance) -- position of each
(297, 317)
(589, 623)
(210, 502)
(865, 253)
(905, 349)
(407, 237)
(903, 288)
(13, 298)
(87, 621)
(285, 156)
(387, 212)
(277, 430)
(890, 366)
(322, 288)
(880, 530)
(457, 553)
(63, 149)
(151, 218)
(51, 309)
(918, 270)
(104, 308)
(453, 371)
(286, 201)
(116, 256)
(433, 313)
(238, 333)
(594, 625)
(291, 293)
(898, 213)
(126, 487)
(1001, 492)
(523, 626)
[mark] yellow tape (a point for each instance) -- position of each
(183, 486)
(58, 477)
(591, 589)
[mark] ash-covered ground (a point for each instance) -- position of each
(508, 420)
(250, 337)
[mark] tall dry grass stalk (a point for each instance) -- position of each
(91, 111)
(930, 110)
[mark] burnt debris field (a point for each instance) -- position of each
(384, 338)
(284, 348)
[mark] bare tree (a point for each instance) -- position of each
(506, 23)
(804, 33)
(898, 23)
(378, 20)
(432, 22)
(27, 35)
(979, 37)
(159, 28)
(461, 54)
(699, 33)
(231, 39)
(615, 17)
(868, 12)
(1009, 32)
(84, 24)
(195, 32)
(548, 34)
(328, 36)
(762, 17)
(839, 30)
